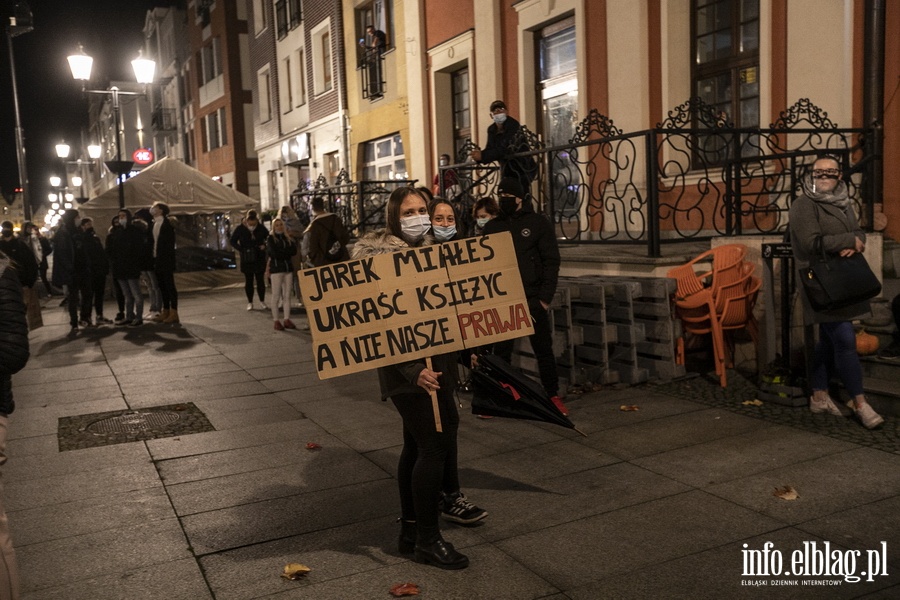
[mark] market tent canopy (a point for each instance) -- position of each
(186, 190)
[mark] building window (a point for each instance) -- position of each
(326, 60)
(332, 165)
(725, 66)
(301, 77)
(287, 16)
(281, 18)
(383, 160)
(216, 135)
(322, 67)
(294, 10)
(265, 95)
(462, 127)
(558, 89)
(379, 14)
(259, 16)
(287, 89)
(210, 63)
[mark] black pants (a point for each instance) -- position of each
(120, 298)
(92, 296)
(47, 287)
(260, 285)
(425, 457)
(895, 310)
(542, 346)
(77, 290)
(167, 289)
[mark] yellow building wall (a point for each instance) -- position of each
(388, 115)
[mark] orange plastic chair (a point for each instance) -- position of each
(726, 266)
(728, 305)
(737, 313)
(697, 314)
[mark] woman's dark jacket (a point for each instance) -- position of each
(165, 247)
(252, 246)
(22, 258)
(126, 247)
(279, 249)
(98, 261)
(14, 351)
(839, 230)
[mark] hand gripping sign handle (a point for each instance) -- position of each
(434, 401)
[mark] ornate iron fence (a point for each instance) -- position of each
(359, 204)
(692, 177)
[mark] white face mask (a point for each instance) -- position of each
(482, 221)
(415, 227)
(442, 234)
(123, 222)
(499, 118)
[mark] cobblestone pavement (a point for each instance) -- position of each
(740, 389)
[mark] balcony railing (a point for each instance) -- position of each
(371, 66)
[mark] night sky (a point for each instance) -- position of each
(51, 104)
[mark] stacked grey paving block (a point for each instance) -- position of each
(610, 330)
(564, 341)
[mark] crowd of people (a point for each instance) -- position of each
(139, 252)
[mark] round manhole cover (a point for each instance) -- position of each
(134, 422)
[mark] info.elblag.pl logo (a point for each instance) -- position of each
(813, 564)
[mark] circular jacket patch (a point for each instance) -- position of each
(526, 232)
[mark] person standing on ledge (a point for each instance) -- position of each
(503, 141)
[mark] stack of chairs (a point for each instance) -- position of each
(715, 295)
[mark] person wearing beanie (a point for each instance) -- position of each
(537, 252)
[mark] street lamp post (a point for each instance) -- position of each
(144, 68)
(19, 24)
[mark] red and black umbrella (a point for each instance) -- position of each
(499, 390)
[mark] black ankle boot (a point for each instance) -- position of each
(407, 542)
(441, 554)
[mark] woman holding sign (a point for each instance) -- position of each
(426, 451)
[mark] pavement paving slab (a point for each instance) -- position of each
(653, 503)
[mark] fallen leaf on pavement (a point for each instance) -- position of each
(756, 402)
(295, 571)
(627, 408)
(405, 589)
(313, 446)
(786, 493)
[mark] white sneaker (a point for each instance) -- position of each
(867, 415)
(249, 306)
(824, 406)
(264, 306)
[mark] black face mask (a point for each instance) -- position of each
(507, 205)
(7, 233)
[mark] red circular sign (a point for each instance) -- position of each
(142, 156)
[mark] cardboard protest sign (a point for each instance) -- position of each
(414, 303)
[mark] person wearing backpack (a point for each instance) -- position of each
(327, 237)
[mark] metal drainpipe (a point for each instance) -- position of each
(342, 68)
(873, 99)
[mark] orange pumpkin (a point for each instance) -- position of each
(866, 343)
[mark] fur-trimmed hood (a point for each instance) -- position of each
(382, 242)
